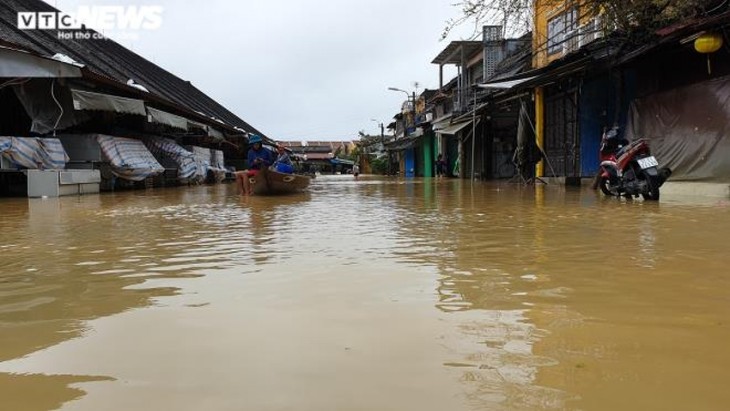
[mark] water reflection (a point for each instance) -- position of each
(466, 236)
(264, 220)
(371, 294)
(540, 264)
(54, 279)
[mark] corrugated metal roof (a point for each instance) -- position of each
(404, 143)
(111, 60)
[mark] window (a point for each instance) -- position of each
(560, 28)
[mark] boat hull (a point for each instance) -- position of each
(269, 182)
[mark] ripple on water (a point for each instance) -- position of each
(508, 295)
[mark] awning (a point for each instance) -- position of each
(442, 118)
(342, 161)
(541, 76)
(35, 97)
(505, 84)
(403, 143)
(215, 133)
(86, 100)
(210, 131)
(442, 123)
(15, 63)
(162, 117)
(195, 124)
(455, 128)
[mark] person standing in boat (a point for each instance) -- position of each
(258, 158)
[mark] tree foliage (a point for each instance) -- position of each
(515, 16)
(632, 16)
(379, 165)
(626, 16)
(367, 140)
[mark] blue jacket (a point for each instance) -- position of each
(264, 154)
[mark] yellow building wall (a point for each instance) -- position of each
(544, 11)
(420, 105)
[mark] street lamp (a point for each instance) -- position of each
(408, 96)
(382, 134)
(413, 107)
(397, 89)
(382, 129)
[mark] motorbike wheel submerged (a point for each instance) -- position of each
(635, 182)
(605, 185)
(628, 169)
(651, 184)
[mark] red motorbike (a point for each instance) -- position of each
(628, 169)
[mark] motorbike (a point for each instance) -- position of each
(628, 169)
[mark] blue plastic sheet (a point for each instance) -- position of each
(217, 161)
(34, 152)
(129, 158)
(164, 147)
(217, 164)
(202, 159)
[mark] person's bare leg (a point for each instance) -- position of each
(241, 178)
(246, 184)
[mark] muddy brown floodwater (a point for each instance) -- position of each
(368, 295)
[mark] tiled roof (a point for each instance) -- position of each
(331, 144)
(315, 149)
(318, 156)
(110, 60)
(428, 94)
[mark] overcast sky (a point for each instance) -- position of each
(299, 70)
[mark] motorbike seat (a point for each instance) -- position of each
(623, 149)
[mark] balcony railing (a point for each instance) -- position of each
(464, 101)
(573, 40)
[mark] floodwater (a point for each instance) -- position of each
(368, 295)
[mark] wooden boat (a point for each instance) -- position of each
(270, 182)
